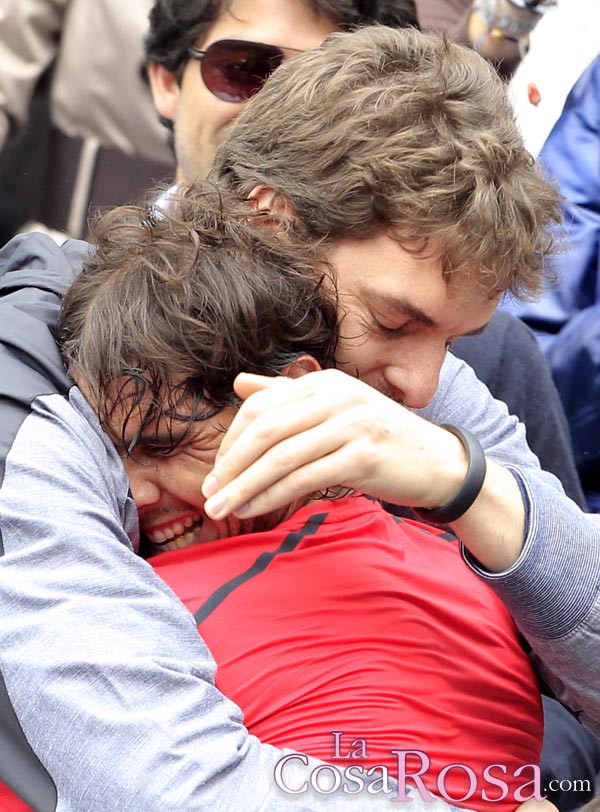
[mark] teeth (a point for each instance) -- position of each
(183, 541)
(178, 529)
(158, 537)
(176, 540)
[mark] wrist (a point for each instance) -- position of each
(494, 533)
(456, 502)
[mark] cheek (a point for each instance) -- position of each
(362, 358)
(195, 103)
(200, 135)
(204, 111)
(183, 477)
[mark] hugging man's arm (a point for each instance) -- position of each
(536, 548)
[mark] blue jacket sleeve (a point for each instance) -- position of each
(572, 156)
(574, 358)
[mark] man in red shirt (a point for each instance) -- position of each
(331, 621)
(345, 618)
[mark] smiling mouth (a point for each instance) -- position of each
(177, 537)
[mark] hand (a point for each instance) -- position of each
(293, 437)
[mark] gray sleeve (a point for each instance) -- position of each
(553, 589)
(553, 592)
(103, 667)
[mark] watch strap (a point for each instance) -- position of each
(471, 486)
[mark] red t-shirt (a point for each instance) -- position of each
(9, 801)
(344, 618)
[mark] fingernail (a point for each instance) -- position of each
(215, 505)
(210, 486)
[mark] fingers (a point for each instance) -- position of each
(288, 469)
(313, 478)
(262, 395)
(269, 454)
(247, 383)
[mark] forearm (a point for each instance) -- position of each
(493, 529)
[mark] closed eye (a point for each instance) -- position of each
(153, 450)
(388, 329)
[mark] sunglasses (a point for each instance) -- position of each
(234, 69)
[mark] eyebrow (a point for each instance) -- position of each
(407, 309)
(404, 307)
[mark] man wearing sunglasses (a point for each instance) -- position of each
(207, 58)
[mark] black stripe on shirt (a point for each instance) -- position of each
(290, 542)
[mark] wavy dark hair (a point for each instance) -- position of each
(177, 24)
(171, 305)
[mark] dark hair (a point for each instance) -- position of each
(177, 24)
(381, 129)
(172, 305)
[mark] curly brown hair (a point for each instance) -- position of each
(171, 305)
(393, 129)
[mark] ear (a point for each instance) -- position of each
(265, 198)
(304, 364)
(165, 90)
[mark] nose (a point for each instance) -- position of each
(144, 485)
(414, 386)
